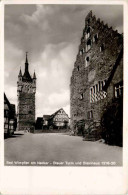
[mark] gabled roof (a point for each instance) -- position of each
(57, 112)
(113, 70)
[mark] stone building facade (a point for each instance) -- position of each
(99, 51)
(26, 89)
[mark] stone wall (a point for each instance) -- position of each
(26, 106)
(26, 111)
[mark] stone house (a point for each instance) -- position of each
(99, 50)
(26, 89)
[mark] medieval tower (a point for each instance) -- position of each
(26, 89)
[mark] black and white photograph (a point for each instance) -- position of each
(63, 85)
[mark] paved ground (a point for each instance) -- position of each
(58, 149)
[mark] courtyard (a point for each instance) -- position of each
(58, 149)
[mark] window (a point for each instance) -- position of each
(102, 48)
(81, 53)
(93, 89)
(99, 87)
(95, 38)
(6, 113)
(119, 90)
(81, 96)
(90, 114)
(96, 86)
(87, 61)
(102, 84)
(78, 68)
(88, 32)
(96, 92)
(88, 46)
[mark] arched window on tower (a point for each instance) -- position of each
(86, 61)
(88, 32)
(88, 46)
(102, 48)
(81, 96)
(95, 38)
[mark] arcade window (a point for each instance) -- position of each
(96, 92)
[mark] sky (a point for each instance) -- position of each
(51, 35)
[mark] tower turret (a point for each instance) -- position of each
(26, 63)
(34, 82)
(34, 75)
(20, 75)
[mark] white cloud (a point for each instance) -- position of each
(42, 12)
(53, 77)
(59, 99)
(13, 61)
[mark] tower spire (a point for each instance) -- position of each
(26, 63)
(26, 76)
(34, 75)
(20, 73)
